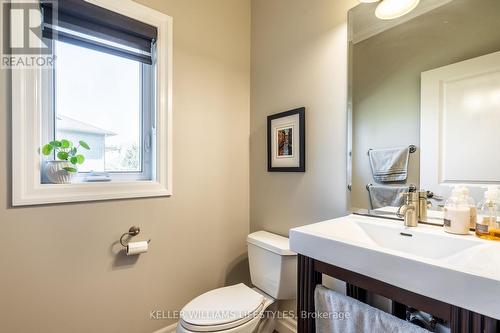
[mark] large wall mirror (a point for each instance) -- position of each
(424, 103)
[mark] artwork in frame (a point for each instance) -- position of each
(286, 141)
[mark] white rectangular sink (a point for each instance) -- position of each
(425, 245)
(460, 270)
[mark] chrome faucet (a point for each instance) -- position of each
(409, 211)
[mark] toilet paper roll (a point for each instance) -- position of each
(134, 248)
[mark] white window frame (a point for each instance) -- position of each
(27, 90)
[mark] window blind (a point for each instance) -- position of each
(82, 23)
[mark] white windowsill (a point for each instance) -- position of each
(74, 192)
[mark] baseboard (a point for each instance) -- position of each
(167, 329)
(286, 325)
(283, 325)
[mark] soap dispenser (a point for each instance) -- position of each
(457, 212)
(472, 205)
(488, 226)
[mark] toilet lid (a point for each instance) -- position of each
(224, 306)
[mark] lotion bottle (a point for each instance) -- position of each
(472, 205)
(457, 212)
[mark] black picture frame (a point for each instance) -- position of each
(302, 141)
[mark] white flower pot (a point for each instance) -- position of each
(56, 174)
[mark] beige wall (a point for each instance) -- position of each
(59, 271)
(299, 58)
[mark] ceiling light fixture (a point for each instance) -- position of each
(368, 1)
(391, 9)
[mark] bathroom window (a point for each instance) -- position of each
(110, 87)
(107, 101)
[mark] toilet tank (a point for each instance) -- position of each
(273, 267)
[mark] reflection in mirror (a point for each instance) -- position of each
(428, 80)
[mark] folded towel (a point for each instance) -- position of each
(337, 313)
(389, 165)
(383, 196)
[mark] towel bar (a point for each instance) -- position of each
(413, 149)
(411, 188)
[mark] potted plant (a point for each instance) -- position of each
(62, 169)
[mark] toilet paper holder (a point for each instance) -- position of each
(133, 231)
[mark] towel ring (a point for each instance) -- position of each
(133, 231)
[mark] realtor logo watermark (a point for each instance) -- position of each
(23, 45)
(233, 315)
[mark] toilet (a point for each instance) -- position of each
(239, 308)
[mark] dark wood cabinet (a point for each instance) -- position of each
(310, 274)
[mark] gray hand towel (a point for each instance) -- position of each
(337, 313)
(389, 165)
(383, 196)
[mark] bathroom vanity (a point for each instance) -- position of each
(451, 277)
(423, 101)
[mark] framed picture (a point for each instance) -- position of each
(286, 141)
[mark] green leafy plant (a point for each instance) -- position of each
(65, 150)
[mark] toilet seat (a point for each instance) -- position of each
(222, 309)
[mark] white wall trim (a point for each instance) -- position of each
(167, 329)
(27, 137)
(286, 325)
(283, 325)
